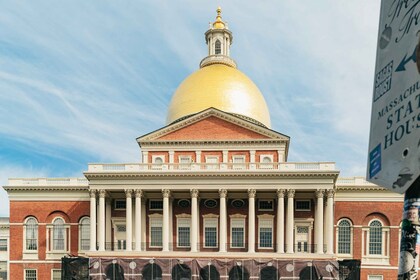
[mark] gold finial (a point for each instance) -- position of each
(219, 24)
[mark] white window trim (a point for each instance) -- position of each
(267, 165)
(158, 166)
(80, 233)
(241, 218)
(238, 165)
(151, 217)
(370, 277)
(304, 222)
(57, 254)
(270, 218)
(185, 165)
(351, 239)
(266, 210)
(303, 210)
(384, 258)
(178, 218)
(212, 165)
(30, 254)
(207, 218)
(24, 272)
(52, 272)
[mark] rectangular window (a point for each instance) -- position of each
(30, 274)
(3, 244)
(120, 204)
(303, 205)
(210, 233)
(265, 205)
(212, 162)
(237, 233)
(121, 244)
(155, 232)
(238, 162)
(266, 233)
(56, 274)
(185, 162)
(184, 232)
(156, 204)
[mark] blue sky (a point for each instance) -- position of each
(80, 80)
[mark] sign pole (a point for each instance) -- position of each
(410, 234)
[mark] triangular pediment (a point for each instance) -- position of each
(213, 125)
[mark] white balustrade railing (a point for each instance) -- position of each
(187, 167)
(48, 182)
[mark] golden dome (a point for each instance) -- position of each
(222, 87)
(219, 24)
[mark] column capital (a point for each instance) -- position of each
(252, 193)
(194, 193)
(138, 193)
(171, 152)
(330, 193)
(128, 193)
(92, 193)
(281, 193)
(319, 193)
(223, 193)
(102, 193)
(291, 193)
(166, 193)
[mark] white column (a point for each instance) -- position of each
(290, 221)
(194, 220)
(330, 222)
(137, 223)
(251, 220)
(165, 228)
(101, 222)
(108, 226)
(128, 220)
(92, 220)
(280, 221)
(143, 223)
(319, 222)
(223, 220)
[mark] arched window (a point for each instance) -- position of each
(152, 271)
(344, 237)
(58, 235)
(31, 234)
(269, 273)
(238, 273)
(181, 272)
(114, 272)
(209, 273)
(375, 238)
(218, 47)
(84, 234)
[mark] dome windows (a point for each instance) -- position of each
(218, 47)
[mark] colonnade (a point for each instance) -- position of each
(323, 235)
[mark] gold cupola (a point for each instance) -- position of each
(219, 84)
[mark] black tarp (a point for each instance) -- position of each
(75, 269)
(349, 269)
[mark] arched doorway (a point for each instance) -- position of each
(308, 273)
(114, 272)
(209, 273)
(152, 271)
(181, 272)
(238, 273)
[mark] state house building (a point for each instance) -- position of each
(214, 197)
